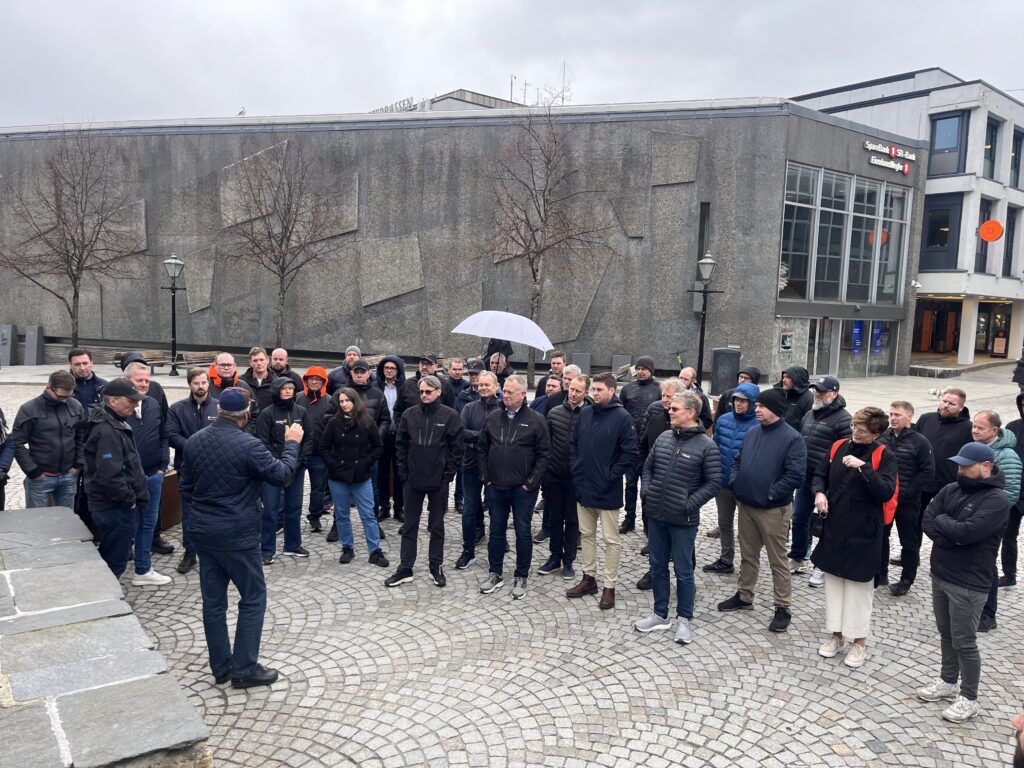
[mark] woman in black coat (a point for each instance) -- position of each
(349, 446)
(849, 494)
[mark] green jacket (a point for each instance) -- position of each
(1005, 449)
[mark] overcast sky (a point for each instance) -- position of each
(75, 60)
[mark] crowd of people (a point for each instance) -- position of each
(791, 472)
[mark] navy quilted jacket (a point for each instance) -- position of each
(223, 477)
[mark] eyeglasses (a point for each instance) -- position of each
(862, 430)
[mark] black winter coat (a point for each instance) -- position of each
(429, 446)
(409, 395)
(474, 416)
(376, 406)
(150, 434)
(44, 435)
(820, 430)
(655, 422)
(262, 391)
(113, 473)
(799, 399)
(561, 422)
(636, 397)
(514, 451)
(683, 472)
(273, 420)
(222, 479)
(850, 546)
(602, 450)
(965, 522)
(916, 464)
(349, 450)
(184, 419)
(946, 437)
(318, 413)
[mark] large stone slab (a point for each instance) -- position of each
(199, 269)
(674, 158)
(30, 622)
(73, 642)
(389, 267)
(58, 679)
(28, 740)
(60, 586)
(631, 211)
(139, 717)
(62, 553)
(34, 527)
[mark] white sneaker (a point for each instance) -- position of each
(817, 578)
(684, 633)
(855, 656)
(797, 566)
(938, 690)
(651, 623)
(832, 647)
(960, 710)
(150, 579)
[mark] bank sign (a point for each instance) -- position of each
(895, 158)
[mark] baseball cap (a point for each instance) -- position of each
(973, 453)
(361, 364)
(827, 384)
(122, 388)
(233, 400)
(475, 365)
(429, 357)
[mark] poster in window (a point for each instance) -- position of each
(857, 337)
(786, 340)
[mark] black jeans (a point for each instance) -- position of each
(563, 519)
(388, 482)
(437, 505)
(117, 532)
(1009, 555)
(909, 531)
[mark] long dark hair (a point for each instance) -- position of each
(359, 413)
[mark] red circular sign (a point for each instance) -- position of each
(990, 231)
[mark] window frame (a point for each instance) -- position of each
(990, 148)
(963, 125)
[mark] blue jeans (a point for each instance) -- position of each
(500, 502)
(62, 488)
(244, 569)
(317, 486)
(473, 508)
(803, 505)
(676, 542)
(363, 495)
(117, 529)
(374, 471)
(148, 516)
(292, 516)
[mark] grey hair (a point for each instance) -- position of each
(489, 375)
(674, 384)
(133, 367)
(520, 380)
(431, 381)
(689, 400)
(572, 370)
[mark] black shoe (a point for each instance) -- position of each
(735, 603)
(297, 552)
(437, 574)
(719, 566)
(161, 546)
(645, 582)
(260, 676)
(269, 560)
(645, 551)
(399, 516)
(459, 507)
(280, 527)
(987, 622)
(399, 577)
(628, 525)
(332, 535)
(481, 534)
(539, 506)
(314, 525)
(465, 560)
(188, 562)
(542, 536)
(221, 679)
(780, 622)
(383, 513)
(346, 555)
(896, 561)
(377, 558)
(900, 588)
(1007, 581)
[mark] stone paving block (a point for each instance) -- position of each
(7, 607)
(30, 622)
(138, 717)
(42, 525)
(58, 679)
(42, 589)
(62, 553)
(28, 740)
(74, 642)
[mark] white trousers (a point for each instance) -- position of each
(848, 606)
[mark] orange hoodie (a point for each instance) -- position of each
(315, 370)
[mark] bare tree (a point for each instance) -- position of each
(282, 214)
(72, 219)
(542, 209)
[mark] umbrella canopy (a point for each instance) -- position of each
(505, 325)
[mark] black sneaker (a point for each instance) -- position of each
(735, 603)
(465, 560)
(332, 535)
(628, 525)
(383, 513)
(131, 553)
(297, 552)
(280, 527)
(987, 622)
(900, 588)
(377, 558)
(459, 507)
(399, 516)
(645, 582)
(1007, 581)
(645, 551)
(780, 622)
(161, 546)
(315, 525)
(553, 564)
(437, 574)
(896, 561)
(260, 676)
(346, 555)
(719, 566)
(187, 563)
(481, 534)
(399, 577)
(542, 536)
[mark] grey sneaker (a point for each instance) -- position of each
(937, 691)
(960, 710)
(494, 581)
(651, 623)
(519, 588)
(684, 633)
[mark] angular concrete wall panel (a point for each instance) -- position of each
(674, 158)
(388, 268)
(199, 269)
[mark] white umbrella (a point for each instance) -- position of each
(506, 326)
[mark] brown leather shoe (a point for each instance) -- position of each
(587, 586)
(607, 599)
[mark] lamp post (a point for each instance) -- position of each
(174, 267)
(705, 268)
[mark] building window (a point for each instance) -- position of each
(891, 238)
(798, 231)
(940, 244)
(1009, 240)
(981, 252)
(991, 145)
(1015, 150)
(949, 141)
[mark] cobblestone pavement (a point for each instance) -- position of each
(424, 676)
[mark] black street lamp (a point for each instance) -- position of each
(174, 267)
(705, 268)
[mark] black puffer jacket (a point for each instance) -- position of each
(965, 522)
(916, 463)
(683, 472)
(278, 415)
(561, 421)
(45, 436)
(348, 449)
(376, 406)
(113, 473)
(850, 546)
(946, 437)
(799, 399)
(636, 397)
(474, 417)
(514, 451)
(820, 430)
(655, 422)
(429, 445)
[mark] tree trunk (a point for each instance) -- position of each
(279, 314)
(531, 358)
(74, 315)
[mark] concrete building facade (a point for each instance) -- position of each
(758, 183)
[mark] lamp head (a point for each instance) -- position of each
(706, 268)
(174, 267)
